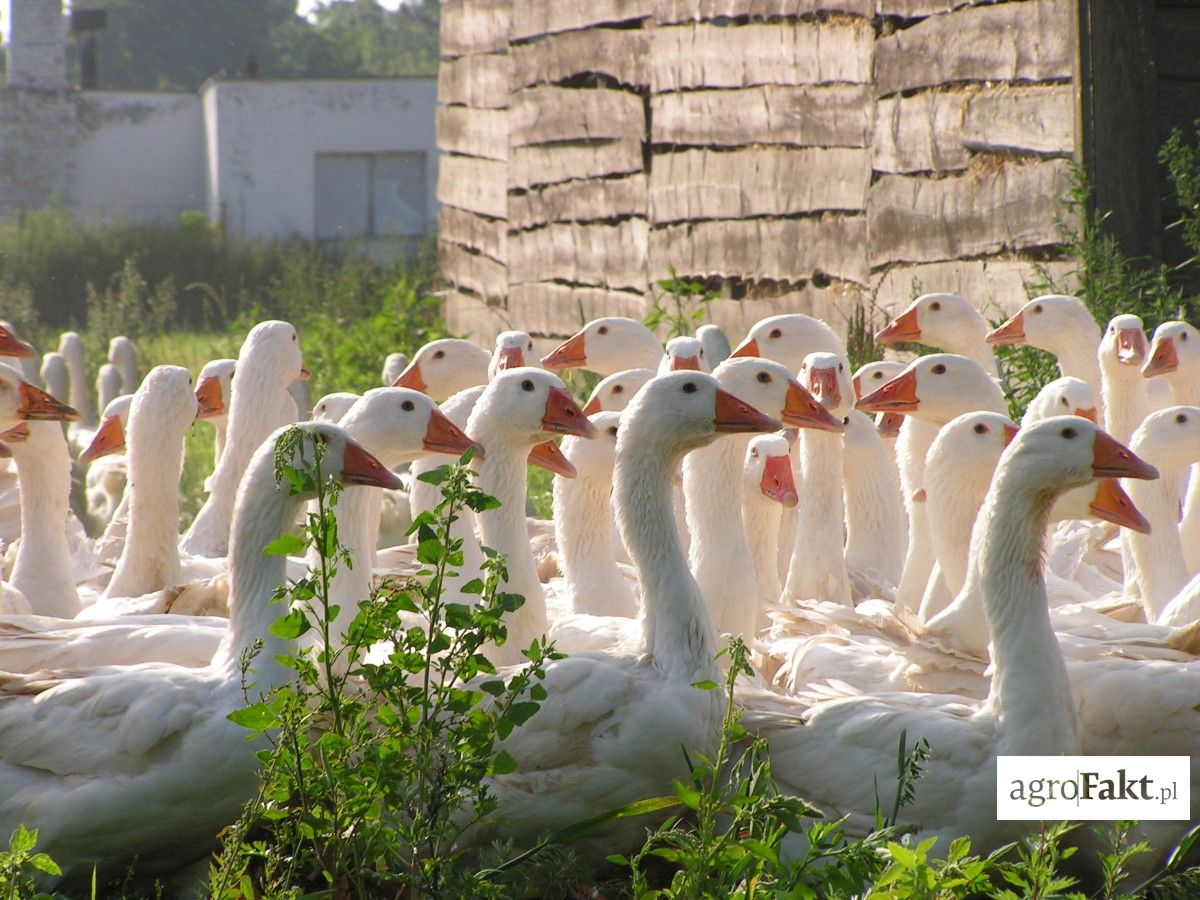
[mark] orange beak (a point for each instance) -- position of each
(1089, 414)
(547, 456)
(920, 496)
(510, 358)
(856, 382)
(411, 378)
(109, 438)
(823, 384)
(5, 451)
(679, 363)
(1011, 332)
(16, 435)
(1010, 432)
(11, 346)
(1131, 346)
(1112, 504)
(360, 467)
(208, 395)
(899, 395)
(803, 410)
(304, 374)
(1112, 459)
(903, 329)
(39, 406)
(570, 354)
(777, 481)
(563, 416)
(593, 406)
(1163, 360)
(443, 436)
(733, 415)
(748, 347)
(889, 424)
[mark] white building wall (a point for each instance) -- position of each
(139, 156)
(265, 137)
(37, 46)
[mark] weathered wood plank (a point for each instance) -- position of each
(473, 132)
(475, 26)
(921, 133)
(917, 9)
(1030, 40)
(764, 181)
(778, 249)
(473, 184)
(546, 114)
(561, 310)
(479, 274)
(478, 80)
(669, 12)
(917, 219)
(1176, 37)
(997, 287)
(1026, 119)
(611, 256)
(619, 53)
(707, 55)
(488, 236)
(579, 201)
(833, 305)
(552, 163)
(473, 318)
(535, 17)
(818, 116)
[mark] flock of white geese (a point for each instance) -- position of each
(944, 571)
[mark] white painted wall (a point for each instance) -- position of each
(139, 156)
(264, 137)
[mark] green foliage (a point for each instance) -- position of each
(377, 769)
(860, 337)
(20, 867)
(678, 303)
(1183, 168)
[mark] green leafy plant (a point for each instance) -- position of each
(678, 303)
(20, 866)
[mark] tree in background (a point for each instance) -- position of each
(360, 38)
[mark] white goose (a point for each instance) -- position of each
(768, 487)
(269, 361)
(945, 321)
(876, 530)
(332, 407)
(125, 762)
(393, 366)
(874, 375)
(1123, 391)
(614, 392)
(107, 477)
(605, 346)
(70, 347)
(611, 728)
(513, 349)
(1066, 396)
(214, 390)
(123, 355)
(444, 367)
(846, 748)
(108, 385)
(683, 353)
(54, 374)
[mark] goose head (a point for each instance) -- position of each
(393, 365)
(165, 399)
(939, 320)
(108, 383)
(1176, 349)
(593, 460)
(874, 375)
(827, 377)
(1169, 438)
(399, 425)
(332, 407)
(607, 345)
(444, 367)
(1123, 347)
(55, 375)
(769, 386)
(12, 346)
(1050, 322)
(514, 349)
(522, 406)
(275, 346)
(683, 353)
(214, 388)
(1064, 396)
(614, 392)
(679, 412)
(123, 354)
(70, 347)
(110, 435)
(788, 338)
(768, 469)
(20, 400)
(967, 449)
(343, 458)
(935, 389)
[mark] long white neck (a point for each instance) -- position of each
(718, 551)
(911, 447)
(583, 529)
(423, 496)
(357, 531)
(150, 558)
(503, 475)
(1030, 690)
(876, 529)
(1078, 359)
(78, 388)
(42, 570)
(220, 426)
(761, 517)
(972, 343)
(1159, 569)
(111, 543)
(818, 569)
(1125, 400)
(677, 632)
(951, 510)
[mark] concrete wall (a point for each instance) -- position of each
(264, 136)
(37, 48)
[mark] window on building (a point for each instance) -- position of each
(370, 195)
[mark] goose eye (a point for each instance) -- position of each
(754, 453)
(618, 389)
(1068, 433)
(981, 429)
(439, 354)
(1038, 308)
(603, 329)
(1181, 418)
(764, 378)
(1063, 401)
(877, 375)
(530, 345)
(527, 385)
(690, 387)
(612, 429)
(935, 305)
(293, 339)
(775, 332)
(1183, 335)
(407, 406)
(939, 369)
(841, 368)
